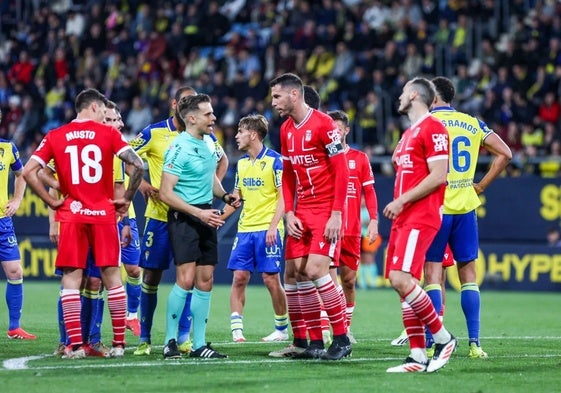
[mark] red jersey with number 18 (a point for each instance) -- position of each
(308, 147)
(421, 143)
(83, 152)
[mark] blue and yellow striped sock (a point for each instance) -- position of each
(148, 302)
(62, 338)
(435, 294)
(471, 305)
(281, 322)
(133, 288)
(14, 299)
(236, 321)
(98, 305)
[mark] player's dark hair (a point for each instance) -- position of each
(444, 88)
(311, 97)
(86, 97)
(425, 88)
(257, 123)
(179, 92)
(112, 105)
(288, 80)
(177, 96)
(339, 115)
(190, 104)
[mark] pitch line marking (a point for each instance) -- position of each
(21, 363)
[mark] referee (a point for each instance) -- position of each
(188, 186)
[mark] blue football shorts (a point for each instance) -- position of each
(155, 249)
(250, 253)
(460, 231)
(9, 250)
(130, 255)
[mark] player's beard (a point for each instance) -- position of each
(404, 110)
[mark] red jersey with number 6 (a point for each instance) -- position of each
(421, 143)
(83, 152)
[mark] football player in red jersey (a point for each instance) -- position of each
(83, 152)
(421, 163)
(361, 182)
(315, 178)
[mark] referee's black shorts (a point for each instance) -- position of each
(191, 239)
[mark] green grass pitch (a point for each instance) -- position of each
(520, 331)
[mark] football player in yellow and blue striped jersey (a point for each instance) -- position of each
(259, 241)
(459, 224)
(9, 250)
(155, 256)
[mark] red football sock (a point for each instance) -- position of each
(413, 326)
(332, 302)
(311, 309)
(71, 309)
(117, 303)
(294, 312)
(421, 304)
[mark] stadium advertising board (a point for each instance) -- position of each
(513, 221)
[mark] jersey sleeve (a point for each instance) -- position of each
(16, 164)
(44, 153)
(485, 130)
(219, 150)
(141, 141)
(120, 144)
(277, 172)
(331, 138)
(237, 179)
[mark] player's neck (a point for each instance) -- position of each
(416, 113)
(85, 115)
(300, 112)
(195, 133)
(254, 151)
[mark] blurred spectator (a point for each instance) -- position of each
(13, 115)
(550, 109)
(507, 72)
(29, 124)
(553, 237)
(550, 167)
(22, 70)
(139, 116)
(75, 23)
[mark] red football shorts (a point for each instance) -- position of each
(76, 239)
(312, 241)
(448, 257)
(350, 252)
(407, 247)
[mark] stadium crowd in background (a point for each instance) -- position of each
(503, 56)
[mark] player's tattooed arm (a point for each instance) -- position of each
(135, 171)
